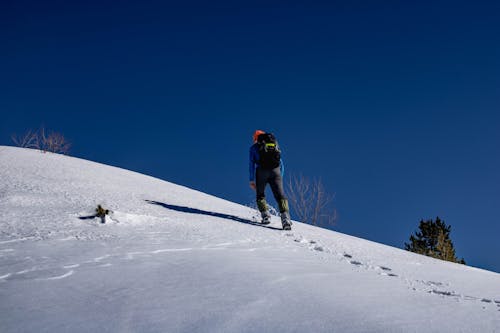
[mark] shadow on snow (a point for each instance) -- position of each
(204, 212)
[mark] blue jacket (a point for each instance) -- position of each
(254, 162)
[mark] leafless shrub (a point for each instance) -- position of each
(310, 201)
(52, 142)
(27, 140)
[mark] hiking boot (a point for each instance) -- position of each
(266, 217)
(285, 221)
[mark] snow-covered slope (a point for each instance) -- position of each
(176, 260)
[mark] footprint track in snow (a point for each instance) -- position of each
(444, 290)
(316, 246)
(431, 287)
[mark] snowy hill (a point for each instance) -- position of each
(177, 260)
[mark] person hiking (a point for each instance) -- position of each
(266, 167)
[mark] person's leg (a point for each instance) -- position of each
(276, 183)
(261, 179)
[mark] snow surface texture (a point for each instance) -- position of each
(171, 259)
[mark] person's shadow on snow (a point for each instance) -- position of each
(204, 212)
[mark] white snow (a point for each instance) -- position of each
(171, 259)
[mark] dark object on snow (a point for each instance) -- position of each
(101, 212)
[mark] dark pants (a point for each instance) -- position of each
(273, 178)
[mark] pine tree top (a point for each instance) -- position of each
(433, 239)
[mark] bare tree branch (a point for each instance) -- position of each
(53, 142)
(27, 140)
(56, 143)
(310, 201)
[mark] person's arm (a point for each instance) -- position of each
(251, 167)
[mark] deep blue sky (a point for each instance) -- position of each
(395, 105)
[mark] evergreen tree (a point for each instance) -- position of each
(433, 240)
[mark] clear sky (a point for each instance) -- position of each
(394, 104)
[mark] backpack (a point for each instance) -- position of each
(269, 151)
